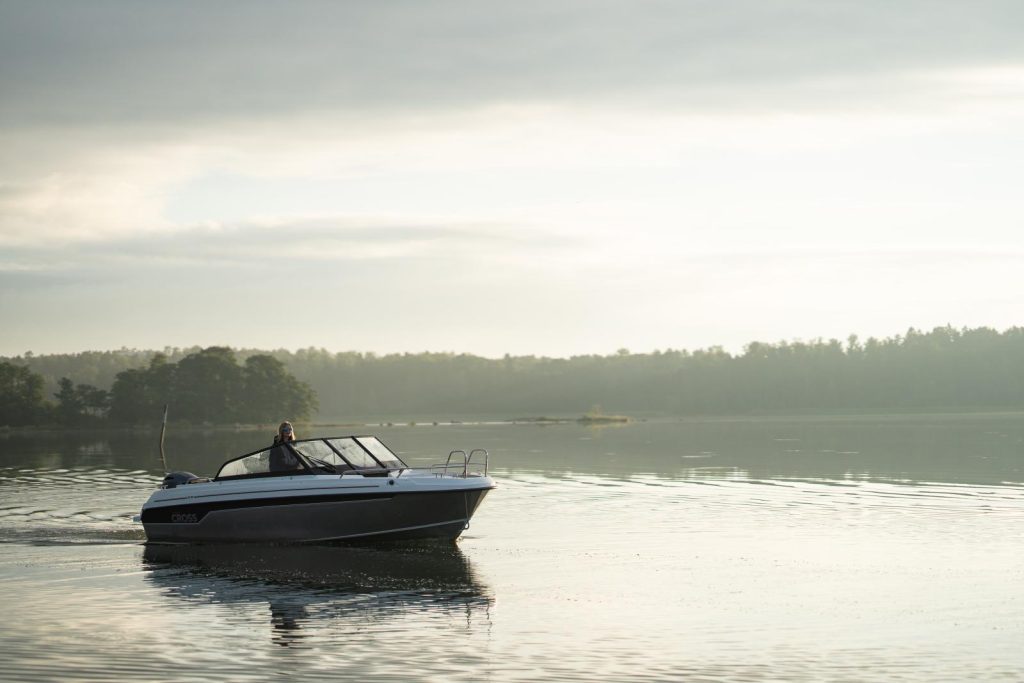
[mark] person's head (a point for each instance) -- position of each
(285, 432)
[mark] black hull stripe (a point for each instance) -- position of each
(188, 500)
(192, 513)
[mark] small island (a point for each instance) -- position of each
(598, 418)
(594, 417)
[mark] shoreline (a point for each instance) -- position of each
(478, 420)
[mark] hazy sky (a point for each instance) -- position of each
(552, 177)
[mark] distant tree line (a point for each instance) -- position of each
(944, 369)
(207, 385)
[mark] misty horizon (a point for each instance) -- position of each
(944, 369)
(844, 341)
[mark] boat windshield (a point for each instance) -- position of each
(366, 452)
(319, 451)
(354, 453)
(381, 452)
(276, 460)
(310, 456)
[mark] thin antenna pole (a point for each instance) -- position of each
(163, 428)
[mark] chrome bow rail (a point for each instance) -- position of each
(463, 467)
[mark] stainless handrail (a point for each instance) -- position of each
(448, 464)
(443, 469)
(469, 460)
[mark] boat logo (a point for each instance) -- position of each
(186, 518)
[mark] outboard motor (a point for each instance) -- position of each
(174, 479)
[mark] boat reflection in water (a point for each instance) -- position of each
(309, 587)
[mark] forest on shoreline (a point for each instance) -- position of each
(945, 369)
(207, 386)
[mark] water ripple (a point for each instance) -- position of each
(76, 505)
(707, 573)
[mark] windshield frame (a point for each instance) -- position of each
(309, 467)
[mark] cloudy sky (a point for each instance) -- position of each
(552, 177)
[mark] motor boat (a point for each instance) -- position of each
(344, 488)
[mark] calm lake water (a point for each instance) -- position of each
(858, 549)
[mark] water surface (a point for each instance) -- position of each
(854, 549)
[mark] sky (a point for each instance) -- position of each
(557, 177)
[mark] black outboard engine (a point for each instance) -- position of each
(178, 479)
